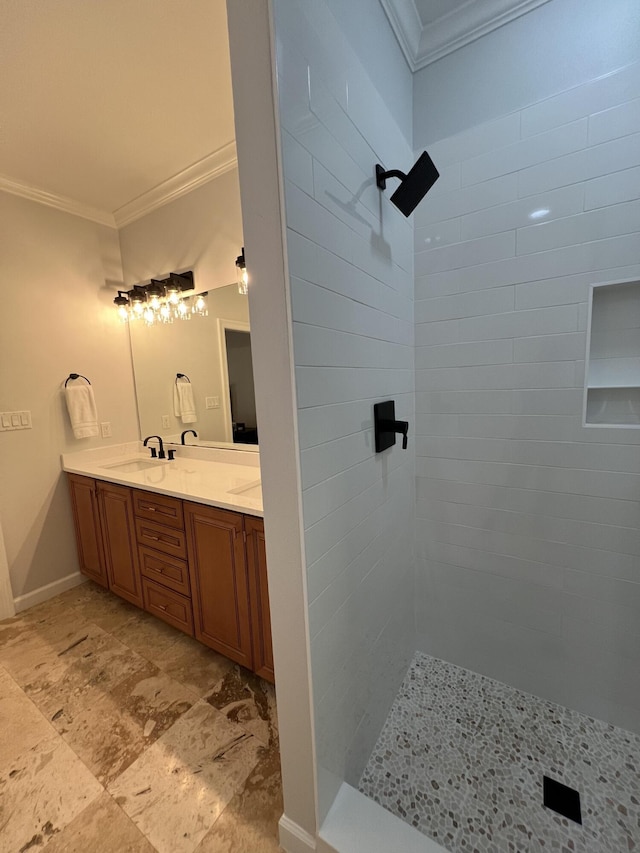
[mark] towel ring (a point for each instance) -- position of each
(76, 376)
(181, 376)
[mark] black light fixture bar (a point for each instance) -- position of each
(156, 287)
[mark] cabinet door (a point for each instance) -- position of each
(119, 538)
(259, 598)
(218, 571)
(86, 519)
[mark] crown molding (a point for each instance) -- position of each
(407, 26)
(461, 26)
(59, 202)
(212, 166)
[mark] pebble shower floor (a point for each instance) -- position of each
(462, 758)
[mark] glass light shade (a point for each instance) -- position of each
(154, 302)
(173, 295)
(200, 305)
(149, 315)
(165, 313)
(182, 310)
(123, 313)
(243, 280)
(137, 307)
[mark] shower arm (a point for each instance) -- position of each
(381, 176)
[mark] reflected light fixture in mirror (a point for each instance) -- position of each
(243, 277)
(161, 301)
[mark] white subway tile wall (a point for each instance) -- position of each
(528, 522)
(350, 256)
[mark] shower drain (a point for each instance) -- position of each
(562, 799)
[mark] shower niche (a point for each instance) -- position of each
(612, 389)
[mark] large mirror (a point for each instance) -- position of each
(212, 354)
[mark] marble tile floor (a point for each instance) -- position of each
(119, 734)
(462, 758)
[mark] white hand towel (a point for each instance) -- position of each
(184, 406)
(82, 410)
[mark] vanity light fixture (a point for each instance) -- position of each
(161, 301)
(122, 305)
(199, 304)
(137, 298)
(243, 277)
(155, 292)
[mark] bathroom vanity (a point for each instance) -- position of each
(182, 539)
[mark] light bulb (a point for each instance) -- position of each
(173, 295)
(149, 315)
(138, 307)
(182, 309)
(243, 277)
(200, 305)
(123, 313)
(165, 313)
(154, 303)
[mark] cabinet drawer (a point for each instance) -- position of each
(160, 508)
(165, 570)
(161, 538)
(173, 608)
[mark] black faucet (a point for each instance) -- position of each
(161, 454)
(186, 432)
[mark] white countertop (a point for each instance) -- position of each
(229, 479)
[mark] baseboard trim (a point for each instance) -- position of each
(44, 593)
(295, 839)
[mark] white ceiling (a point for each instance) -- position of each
(101, 101)
(428, 30)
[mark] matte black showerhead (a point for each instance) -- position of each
(413, 187)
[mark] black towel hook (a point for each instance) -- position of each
(182, 376)
(76, 376)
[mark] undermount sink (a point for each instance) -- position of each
(249, 490)
(130, 466)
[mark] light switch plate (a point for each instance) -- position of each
(166, 423)
(15, 420)
(212, 402)
(105, 428)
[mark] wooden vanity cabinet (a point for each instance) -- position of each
(105, 535)
(119, 540)
(219, 583)
(259, 598)
(86, 520)
(162, 550)
(199, 568)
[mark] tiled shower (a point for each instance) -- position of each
(492, 569)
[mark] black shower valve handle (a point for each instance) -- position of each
(403, 428)
(386, 427)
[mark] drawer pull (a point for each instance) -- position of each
(159, 571)
(155, 538)
(162, 606)
(148, 508)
